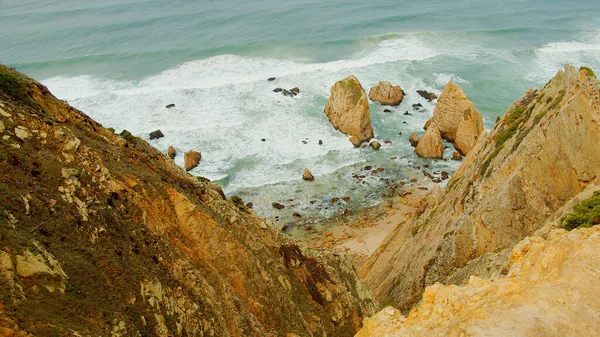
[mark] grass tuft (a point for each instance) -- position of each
(584, 215)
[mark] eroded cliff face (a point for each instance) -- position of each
(103, 235)
(536, 158)
(550, 289)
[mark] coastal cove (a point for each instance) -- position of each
(122, 66)
(303, 169)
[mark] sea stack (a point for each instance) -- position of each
(348, 109)
(457, 119)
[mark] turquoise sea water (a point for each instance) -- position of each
(123, 61)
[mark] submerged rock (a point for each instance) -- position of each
(348, 109)
(386, 94)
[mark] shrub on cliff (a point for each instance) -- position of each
(584, 215)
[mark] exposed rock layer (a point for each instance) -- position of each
(550, 289)
(139, 246)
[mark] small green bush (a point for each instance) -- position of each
(584, 215)
(11, 85)
(237, 201)
(202, 179)
(127, 135)
(589, 71)
(111, 130)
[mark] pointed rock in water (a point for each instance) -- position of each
(451, 109)
(375, 145)
(429, 96)
(271, 79)
(320, 142)
(191, 159)
(406, 113)
(348, 110)
(430, 145)
(171, 152)
(307, 175)
(417, 106)
(295, 91)
(386, 94)
(169, 106)
(156, 134)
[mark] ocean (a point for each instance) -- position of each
(123, 61)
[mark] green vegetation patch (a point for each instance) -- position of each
(203, 180)
(353, 85)
(584, 215)
(237, 201)
(589, 71)
(111, 130)
(12, 86)
(558, 99)
(127, 135)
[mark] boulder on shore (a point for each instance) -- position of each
(171, 152)
(430, 145)
(375, 145)
(307, 175)
(386, 94)
(191, 159)
(348, 109)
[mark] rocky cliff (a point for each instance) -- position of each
(103, 235)
(538, 156)
(550, 289)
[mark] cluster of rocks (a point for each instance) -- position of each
(191, 158)
(289, 93)
(456, 120)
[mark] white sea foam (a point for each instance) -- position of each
(225, 106)
(553, 56)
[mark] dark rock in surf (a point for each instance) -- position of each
(156, 134)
